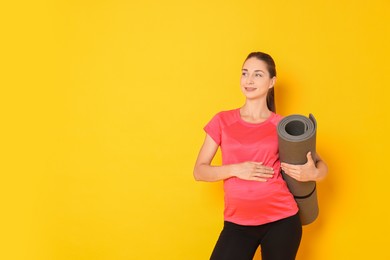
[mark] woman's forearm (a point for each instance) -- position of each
(209, 173)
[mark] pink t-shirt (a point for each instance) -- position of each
(251, 202)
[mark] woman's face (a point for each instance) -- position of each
(255, 79)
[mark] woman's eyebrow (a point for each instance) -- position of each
(254, 70)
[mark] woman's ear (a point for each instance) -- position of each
(273, 81)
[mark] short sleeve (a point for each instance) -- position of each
(213, 129)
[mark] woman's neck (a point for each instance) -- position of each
(255, 111)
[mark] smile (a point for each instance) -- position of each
(249, 89)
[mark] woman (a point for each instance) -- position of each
(259, 209)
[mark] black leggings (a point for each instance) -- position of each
(279, 240)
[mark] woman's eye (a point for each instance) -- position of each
(258, 75)
(244, 74)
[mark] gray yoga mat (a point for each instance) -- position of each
(297, 136)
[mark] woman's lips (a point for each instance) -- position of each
(249, 89)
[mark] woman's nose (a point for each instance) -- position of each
(249, 80)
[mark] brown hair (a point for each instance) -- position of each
(272, 73)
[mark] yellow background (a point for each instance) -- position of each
(103, 105)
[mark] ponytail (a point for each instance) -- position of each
(271, 100)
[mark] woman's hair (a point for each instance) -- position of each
(272, 73)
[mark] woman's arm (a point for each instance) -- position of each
(204, 171)
(310, 171)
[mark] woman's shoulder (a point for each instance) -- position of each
(276, 118)
(226, 115)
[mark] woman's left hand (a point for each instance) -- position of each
(303, 172)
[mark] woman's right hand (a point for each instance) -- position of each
(252, 171)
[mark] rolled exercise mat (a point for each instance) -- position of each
(297, 136)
